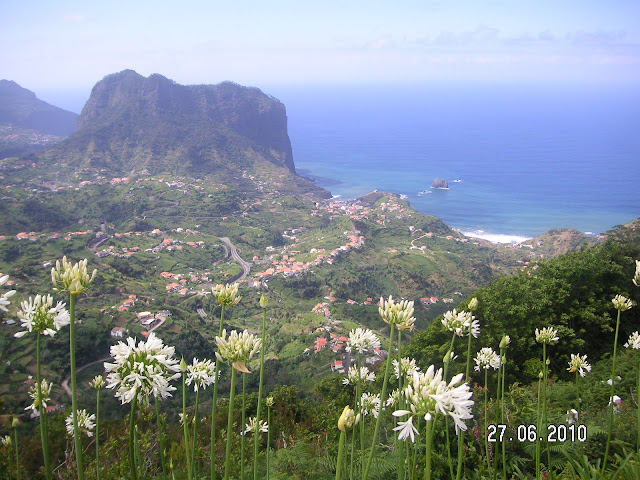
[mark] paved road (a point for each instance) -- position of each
(246, 266)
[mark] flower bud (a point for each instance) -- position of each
(473, 304)
(264, 301)
(506, 340)
(15, 422)
(183, 365)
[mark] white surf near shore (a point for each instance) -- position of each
(496, 237)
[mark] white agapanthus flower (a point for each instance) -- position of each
(4, 298)
(141, 370)
(370, 404)
(428, 394)
(44, 397)
(6, 441)
(201, 374)
(347, 419)
(354, 377)
(486, 358)
(253, 426)
(461, 323)
(579, 364)
(621, 303)
(71, 278)
(547, 335)
(237, 349)
(405, 367)
(395, 313)
(227, 294)
(634, 341)
(636, 276)
(86, 423)
(394, 397)
(362, 340)
(38, 314)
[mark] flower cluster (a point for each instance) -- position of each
(621, 303)
(486, 358)
(547, 335)
(227, 295)
(141, 370)
(5, 441)
(237, 349)
(98, 382)
(634, 341)
(201, 374)
(348, 419)
(370, 404)
(362, 340)
(428, 394)
(40, 315)
(254, 426)
(44, 397)
(395, 313)
(72, 278)
(86, 423)
(579, 364)
(393, 398)
(636, 276)
(269, 401)
(4, 298)
(405, 367)
(354, 376)
(461, 323)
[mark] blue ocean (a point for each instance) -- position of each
(519, 160)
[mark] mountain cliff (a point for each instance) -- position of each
(21, 108)
(133, 123)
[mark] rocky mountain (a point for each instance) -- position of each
(21, 109)
(133, 123)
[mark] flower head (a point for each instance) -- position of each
(40, 315)
(393, 398)
(486, 358)
(201, 374)
(621, 303)
(636, 276)
(86, 422)
(254, 426)
(579, 364)
(370, 404)
(362, 340)
(141, 370)
(264, 301)
(98, 382)
(71, 278)
(6, 441)
(227, 295)
(43, 397)
(4, 298)
(504, 343)
(269, 401)
(547, 335)
(395, 313)
(362, 376)
(634, 341)
(461, 323)
(473, 304)
(237, 349)
(348, 419)
(405, 367)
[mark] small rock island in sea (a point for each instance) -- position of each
(439, 183)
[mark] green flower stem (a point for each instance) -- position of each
(545, 422)
(382, 395)
(638, 409)
(486, 394)
(357, 406)
(160, 439)
(446, 418)
(15, 440)
(503, 365)
(258, 411)
(212, 447)
(539, 429)
(194, 442)
(74, 407)
(578, 392)
(268, 437)
(399, 445)
(427, 453)
(242, 422)
(185, 426)
(462, 432)
(340, 449)
(132, 430)
(227, 461)
(98, 434)
(44, 438)
(497, 415)
(613, 384)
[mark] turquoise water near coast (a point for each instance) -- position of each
(528, 158)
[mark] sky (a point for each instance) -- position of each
(68, 46)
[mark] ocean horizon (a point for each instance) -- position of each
(519, 160)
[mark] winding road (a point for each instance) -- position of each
(246, 266)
